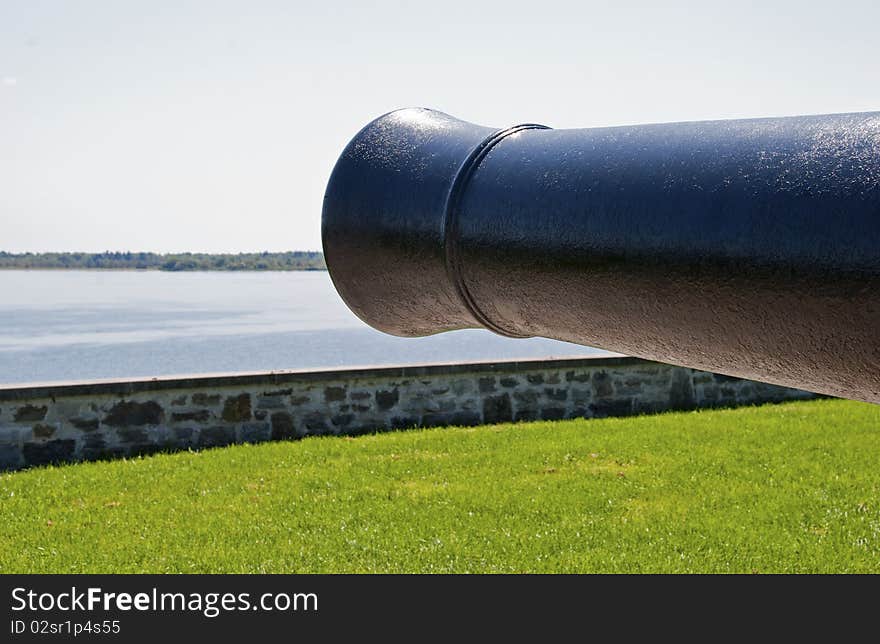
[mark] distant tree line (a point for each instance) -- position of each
(288, 261)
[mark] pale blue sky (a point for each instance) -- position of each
(213, 126)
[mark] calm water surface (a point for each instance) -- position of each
(76, 325)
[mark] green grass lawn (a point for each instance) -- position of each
(779, 488)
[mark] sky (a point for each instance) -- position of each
(213, 126)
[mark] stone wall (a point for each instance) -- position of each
(55, 423)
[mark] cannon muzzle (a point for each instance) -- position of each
(749, 248)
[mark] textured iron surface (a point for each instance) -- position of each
(750, 248)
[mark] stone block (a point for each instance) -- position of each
(282, 426)
(602, 386)
(447, 405)
(202, 399)
(53, 451)
(94, 447)
(216, 436)
(43, 430)
(145, 449)
(385, 399)
(200, 416)
(132, 435)
(629, 386)
(526, 397)
(237, 409)
(85, 424)
(10, 456)
(404, 422)
(255, 432)
(65, 409)
(334, 394)
(649, 406)
(552, 413)
(271, 402)
(436, 419)
(611, 407)
(342, 420)
(681, 390)
(466, 418)
(129, 413)
(94, 442)
(278, 392)
(316, 423)
(708, 394)
(497, 409)
(420, 403)
(30, 413)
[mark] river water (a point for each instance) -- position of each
(79, 325)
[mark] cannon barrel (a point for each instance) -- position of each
(744, 247)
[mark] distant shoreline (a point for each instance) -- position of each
(170, 262)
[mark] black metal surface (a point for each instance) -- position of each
(750, 248)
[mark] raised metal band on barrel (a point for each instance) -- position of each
(450, 224)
